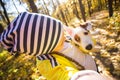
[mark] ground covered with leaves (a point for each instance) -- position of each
(22, 67)
(108, 40)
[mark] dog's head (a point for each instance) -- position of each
(81, 36)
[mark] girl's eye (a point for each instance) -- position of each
(77, 38)
(85, 33)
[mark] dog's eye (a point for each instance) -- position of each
(77, 38)
(85, 33)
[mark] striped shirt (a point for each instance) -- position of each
(32, 33)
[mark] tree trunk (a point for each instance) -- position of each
(99, 5)
(82, 9)
(89, 7)
(75, 11)
(67, 14)
(115, 4)
(3, 17)
(15, 7)
(46, 9)
(110, 7)
(5, 12)
(32, 6)
(106, 3)
(1, 28)
(54, 6)
(63, 17)
(115, 1)
(62, 14)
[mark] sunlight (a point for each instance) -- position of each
(21, 7)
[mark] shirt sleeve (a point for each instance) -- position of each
(6, 38)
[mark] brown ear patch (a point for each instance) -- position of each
(84, 25)
(77, 38)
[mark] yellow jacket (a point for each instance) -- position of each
(63, 70)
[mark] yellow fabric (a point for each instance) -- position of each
(63, 71)
(63, 61)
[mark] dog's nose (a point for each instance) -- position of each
(89, 47)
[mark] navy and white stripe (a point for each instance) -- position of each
(32, 33)
(48, 57)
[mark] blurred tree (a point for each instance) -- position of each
(110, 2)
(82, 9)
(54, 6)
(31, 5)
(61, 13)
(46, 9)
(41, 7)
(106, 3)
(3, 17)
(66, 13)
(89, 7)
(75, 10)
(15, 7)
(1, 28)
(115, 1)
(6, 18)
(99, 5)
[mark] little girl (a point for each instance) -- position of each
(39, 35)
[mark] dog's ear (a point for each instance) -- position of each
(69, 30)
(87, 26)
(83, 25)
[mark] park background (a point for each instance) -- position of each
(104, 14)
